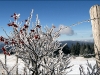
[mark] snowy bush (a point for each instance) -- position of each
(35, 47)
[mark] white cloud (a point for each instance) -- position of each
(67, 31)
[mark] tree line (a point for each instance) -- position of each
(86, 50)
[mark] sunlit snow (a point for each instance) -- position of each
(11, 60)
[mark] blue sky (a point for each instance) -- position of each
(51, 12)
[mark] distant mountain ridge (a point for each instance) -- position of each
(70, 42)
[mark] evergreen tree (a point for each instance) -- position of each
(84, 46)
(87, 51)
(92, 48)
(77, 48)
(82, 49)
(72, 49)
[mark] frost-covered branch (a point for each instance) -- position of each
(91, 70)
(8, 72)
(36, 48)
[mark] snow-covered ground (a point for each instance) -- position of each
(11, 60)
(80, 61)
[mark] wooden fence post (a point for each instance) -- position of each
(95, 15)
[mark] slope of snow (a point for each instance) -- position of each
(11, 61)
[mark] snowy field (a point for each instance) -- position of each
(11, 60)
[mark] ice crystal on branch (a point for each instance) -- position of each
(36, 48)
